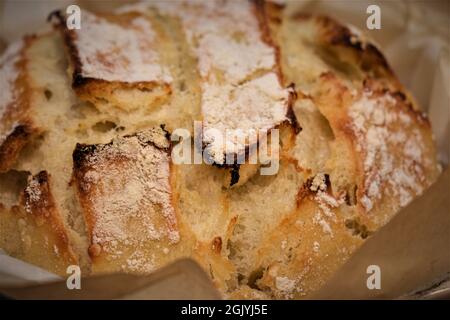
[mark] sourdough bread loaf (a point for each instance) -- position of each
(86, 169)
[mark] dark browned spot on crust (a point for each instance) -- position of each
(340, 35)
(305, 189)
(290, 110)
(82, 152)
(302, 193)
(42, 177)
(402, 99)
(88, 86)
(217, 245)
(166, 132)
(351, 198)
(59, 21)
(94, 250)
(337, 34)
(48, 94)
(357, 228)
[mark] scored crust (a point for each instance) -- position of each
(34, 231)
(364, 152)
(17, 127)
(125, 192)
(379, 155)
(390, 139)
(114, 62)
(241, 82)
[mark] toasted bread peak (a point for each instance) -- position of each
(383, 125)
(242, 93)
(125, 191)
(33, 230)
(115, 61)
(17, 127)
(13, 142)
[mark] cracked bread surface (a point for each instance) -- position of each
(116, 202)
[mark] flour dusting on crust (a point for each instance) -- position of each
(126, 194)
(225, 36)
(241, 112)
(113, 52)
(241, 91)
(33, 194)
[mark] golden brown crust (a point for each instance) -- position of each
(37, 199)
(335, 34)
(304, 250)
(392, 126)
(95, 89)
(59, 21)
(125, 190)
(292, 125)
(279, 236)
(41, 237)
(263, 18)
(17, 128)
(13, 144)
(381, 156)
(351, 47)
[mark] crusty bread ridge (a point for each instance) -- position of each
(17, 126)
(352, 184)
(132, 223)
(33, 229)
(92, 182)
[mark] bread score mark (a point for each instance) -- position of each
(113, 54)
(125, 191)
(384, 125)
(242, 91)
(16, 126)
(44, 236)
